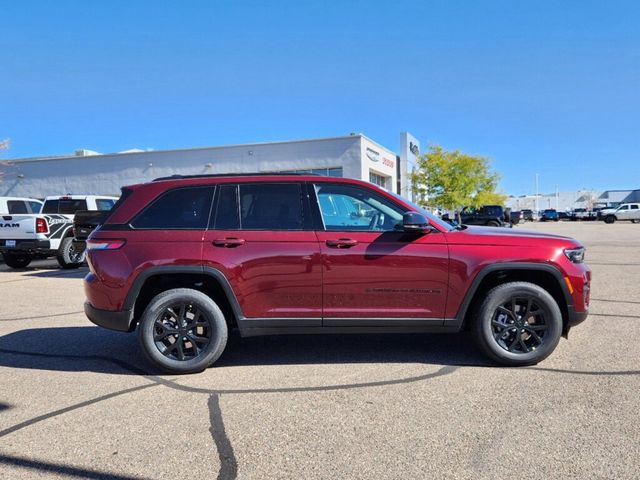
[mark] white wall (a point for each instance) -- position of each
(105, 174)
(380, 160)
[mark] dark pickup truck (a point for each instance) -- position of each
(488, 215)
(85, 222)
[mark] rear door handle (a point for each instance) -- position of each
(342, 243)
(228, 242)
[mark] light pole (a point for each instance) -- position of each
(537, 194)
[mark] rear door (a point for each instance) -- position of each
(261, 238)
(374, 274)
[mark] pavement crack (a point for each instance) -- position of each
(70, 408)
(228, 462)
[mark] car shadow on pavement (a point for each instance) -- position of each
(98, 350)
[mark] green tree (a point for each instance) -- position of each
(453, 179)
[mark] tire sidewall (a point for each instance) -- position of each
(64, 254)
(209, 309)
(12, 260)
(503, 293)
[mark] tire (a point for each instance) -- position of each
(505, 344)
(609, 219)
(174, 355)
(492, 223)
(635, 221)
(67, 256)
(17, 260)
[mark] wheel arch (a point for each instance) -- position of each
(208, 280)
(543, 275)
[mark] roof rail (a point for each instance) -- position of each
(214, 175)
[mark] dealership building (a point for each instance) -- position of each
(87, 172)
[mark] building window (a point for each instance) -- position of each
(326, 172)
(378, 179)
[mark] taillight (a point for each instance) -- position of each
(105, 244)
(42, 226)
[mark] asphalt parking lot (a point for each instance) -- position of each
(77, 401)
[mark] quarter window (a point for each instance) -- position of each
(179, 209)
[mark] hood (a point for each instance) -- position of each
(507, 236)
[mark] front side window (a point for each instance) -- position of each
(179, 209)
(35, 207)
(624, 207)
(349, 208)
(271, 206)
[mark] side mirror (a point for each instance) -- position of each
(416, 223)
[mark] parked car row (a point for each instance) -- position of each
(30, 229)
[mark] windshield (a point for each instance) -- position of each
(431, 217)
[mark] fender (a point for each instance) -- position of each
(136, 286)
(462, 311)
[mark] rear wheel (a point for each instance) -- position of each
(68, 256)
(493, 223)
(609, 219)
(518, 323)
(17, 260)
(182, 331)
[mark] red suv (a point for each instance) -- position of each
(184, 259)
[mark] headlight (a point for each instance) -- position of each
(576, 255)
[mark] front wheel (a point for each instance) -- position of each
(17, 260)
(518, 323)
(182, 331)
(609, 219)
(493, 223)
(68, 256)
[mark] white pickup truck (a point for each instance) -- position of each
(626, 211)
(24, 237)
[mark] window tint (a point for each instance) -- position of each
(348, 208)
(17, 206)
(179, 209)
(634, 207)
(70, 207)
(271, 206)
(624, 207)
(35, 207)
(64, 206)
(227, 214)
(50, 206)
(105, 204)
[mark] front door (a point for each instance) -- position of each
(261, 238)
(374, 274)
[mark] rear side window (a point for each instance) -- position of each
(271, 206)
(17, 206)
(105, 204)
(179, 209)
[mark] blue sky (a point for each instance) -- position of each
(547, 87)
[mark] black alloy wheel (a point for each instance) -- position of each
(181, 331)
(518, 325)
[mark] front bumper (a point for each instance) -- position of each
(113, 320)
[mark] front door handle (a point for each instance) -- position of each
(342, 243)
(228, 242)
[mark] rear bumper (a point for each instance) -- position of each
(113, 320)
(29, 245)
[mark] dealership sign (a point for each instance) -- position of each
(375, 157)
